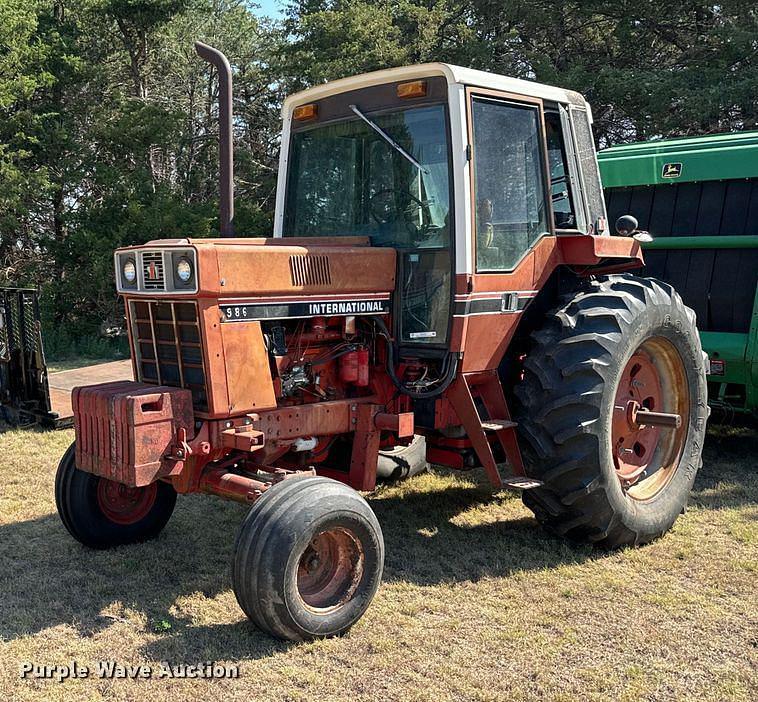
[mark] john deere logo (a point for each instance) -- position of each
(671, 170)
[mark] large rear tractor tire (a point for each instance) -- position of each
(402, 462)
(308, 559)
(619, 345)
(101, 513)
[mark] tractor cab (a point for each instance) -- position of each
(462, 172)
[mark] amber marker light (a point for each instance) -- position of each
(414, 89)
(304, 112)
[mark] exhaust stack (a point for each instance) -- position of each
(226, 155)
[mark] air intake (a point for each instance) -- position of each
(310, 270)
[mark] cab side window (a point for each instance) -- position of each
(587, 162)
(509, 182)
(561, 182)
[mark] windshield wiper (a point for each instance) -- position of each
(388, 138)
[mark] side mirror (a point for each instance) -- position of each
(626, 225)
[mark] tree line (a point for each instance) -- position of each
(108, 119)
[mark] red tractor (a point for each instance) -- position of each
(441, 268)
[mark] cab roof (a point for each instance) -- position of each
(453, 74)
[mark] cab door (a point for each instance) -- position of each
(514, 247)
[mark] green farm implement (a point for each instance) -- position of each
(698, 198)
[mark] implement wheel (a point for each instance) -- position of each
(308, 559)
(101, 513)
(612, 412)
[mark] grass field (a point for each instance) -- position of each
(477, 602)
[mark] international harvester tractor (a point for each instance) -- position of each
(441, 286)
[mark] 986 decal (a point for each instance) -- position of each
(234, 312)
(293, 310)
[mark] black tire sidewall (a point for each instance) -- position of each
(82, 516)
(565, 407)
(271, 541)
(658, 513)
(342, 618)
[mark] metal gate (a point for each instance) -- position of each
(24, 393)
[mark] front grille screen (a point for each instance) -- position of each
(153, 275)
(168, 346)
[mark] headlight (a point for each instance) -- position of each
(130, 271)
(184, 270)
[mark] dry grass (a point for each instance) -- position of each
(477, 602)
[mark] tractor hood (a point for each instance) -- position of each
(255, 268)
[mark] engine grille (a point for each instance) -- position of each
(153, 275)
(310, 270)
(168, 346)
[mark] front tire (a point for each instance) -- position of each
(308, 559)
(621, 342)
(101, 513)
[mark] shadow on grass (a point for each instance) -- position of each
(728, 477)
(48, 579)
(428, 543)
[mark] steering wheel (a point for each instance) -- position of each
(381, 205)
(387, 205)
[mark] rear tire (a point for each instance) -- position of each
(571, 403)
(402, 462)
(101, 513)
(308, 559)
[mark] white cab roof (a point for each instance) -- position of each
(453, 74)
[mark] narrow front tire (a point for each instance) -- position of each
(308, 559)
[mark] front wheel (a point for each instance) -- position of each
(101, 513)
(308, 559)
(611, 353)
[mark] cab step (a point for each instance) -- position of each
(519, 482)
(473, 395)
(498, 424)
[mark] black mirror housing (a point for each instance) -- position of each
(626, 225)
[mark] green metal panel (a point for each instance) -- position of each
(716, 157)
(693, 159)
(751, 358)
(702, 242)
(730, 348)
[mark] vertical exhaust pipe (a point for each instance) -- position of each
(226, 155)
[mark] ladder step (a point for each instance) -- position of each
(497, 424)
(521, 483)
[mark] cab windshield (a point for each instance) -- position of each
(346, 179)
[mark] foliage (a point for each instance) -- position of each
(648, 68)
(108, 138)
(108, 119)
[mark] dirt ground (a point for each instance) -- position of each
(477, 602)
(62, 380)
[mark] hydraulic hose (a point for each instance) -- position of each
(450, 369)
